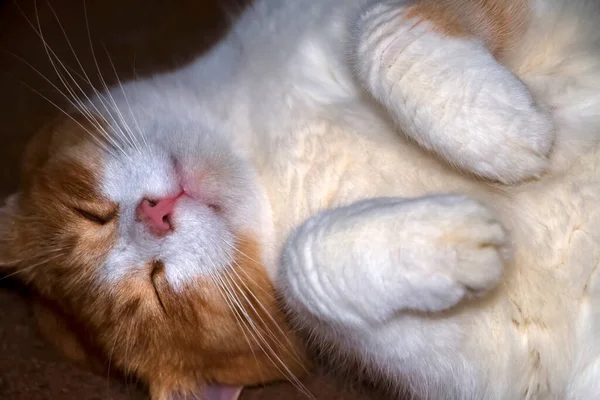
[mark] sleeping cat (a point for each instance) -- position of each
(418, 180)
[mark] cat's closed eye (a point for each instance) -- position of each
(95, 217)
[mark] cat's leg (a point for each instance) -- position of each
(364, 263)
(434, 64)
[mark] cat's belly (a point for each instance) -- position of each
(544, 308)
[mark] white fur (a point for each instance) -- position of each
(280, 96)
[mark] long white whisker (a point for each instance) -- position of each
(85, 112)
(46, 48)
(239, 309)
(258, 337)
(100, 143)
(67, 70)
(218, 283)
(270, 353)
(240, 252)
(73, 99)
(41, 253)
(240, 291)
(126, 100)
(292, 352)
(127, 130)
(269, 332)
(85, 76)
(102, 80)
(248, 276)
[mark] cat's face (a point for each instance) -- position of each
(151, 256)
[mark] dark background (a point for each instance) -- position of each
(140, 36)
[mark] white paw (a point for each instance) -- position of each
(375, 258)
(454, 248)
(452, 97)
(502, 135)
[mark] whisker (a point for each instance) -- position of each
(247, 322)
(127, 101)
(102, 144)
(238, 319)
(74, 97)
(102, 80)
(29, 268)
(44, 253)
(69, 100)
(66, 69)
(271, 352)
(256, 334)
(85, 76)
(245, 289)
(292, 352)
(237, 250)
(240, 291)
(248, 276)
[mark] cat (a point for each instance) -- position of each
(418, 180)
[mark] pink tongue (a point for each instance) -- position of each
(220, 392)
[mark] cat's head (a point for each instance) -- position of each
(150, 251)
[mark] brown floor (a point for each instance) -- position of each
(140, 36)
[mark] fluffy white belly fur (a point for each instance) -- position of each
(551, 287)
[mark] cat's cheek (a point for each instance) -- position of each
(94, 245)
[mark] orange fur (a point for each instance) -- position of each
(171, 341)
(498, 22)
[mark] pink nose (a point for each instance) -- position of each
(156, 214)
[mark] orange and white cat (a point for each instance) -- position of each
(419, 180)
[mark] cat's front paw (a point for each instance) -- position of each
(375, 258)
(508, 142)
(452, 96)
(458, 250)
